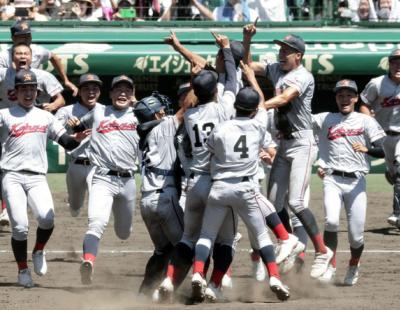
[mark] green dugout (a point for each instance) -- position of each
(333, 52)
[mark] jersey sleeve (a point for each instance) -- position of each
(44, 53)
(51, 86)
(4, 59)
(88, 119)
(318, 120)
(56, 129)
(262, 119)
(370, 93)
(298, 81)
(373, 129)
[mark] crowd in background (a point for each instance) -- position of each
(216, 10)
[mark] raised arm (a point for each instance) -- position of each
(230, 69)
(56, 62)
(251, 78)
(248, 32)
(204, 11)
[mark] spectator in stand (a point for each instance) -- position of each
(388, 10)
(181, 10)
(6, 10)
(26, 9)
(232, 10)
(365, 11)
(125, 10)
(83, 10)
(52, 9)
(269, 10)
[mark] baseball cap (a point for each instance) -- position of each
(89, 78)
(120, 79)
(394, 54)
(20, 27)
(349, 84)
(237, 51)
(247, 99)
(204, 83)
(183, 88)
(25, 77)
(294, 42)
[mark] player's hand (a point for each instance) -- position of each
(250, 30)
(221, 40)
(196, 68)
(49, 107)
(79, 136)
(321, 172)
(73, 122)
(266, 157)
(247, 71)
(172, 39)
(72, 87)
(359, 147)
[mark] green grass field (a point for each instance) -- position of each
(376, 183)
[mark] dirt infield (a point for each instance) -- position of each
(120, 266)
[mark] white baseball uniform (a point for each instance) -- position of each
(39, 56)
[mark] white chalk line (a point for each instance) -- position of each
(113, 252)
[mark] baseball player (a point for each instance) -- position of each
(235, 146)
(381, 98)
(21, 33)
(49, 98)
(159, 203)
(79, 165)
(291, 169)
(24, 132)
(113, 154)
(345, 141)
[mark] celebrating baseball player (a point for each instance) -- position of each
(79, 165)
(159, 204)
(113, 154)
(21, 33)
(291, 169)
(24, 133)
(235, 146)
(381, 98)
(345, 141)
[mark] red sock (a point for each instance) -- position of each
(39, 247)
(319, 244)
(198, 267)
(354, 261)
(22, 265)
(273, 270)
(229, 271)
(89, 257)
(333, 260)
(216, 277)
(3, 205)
(302, 255)
(280, 232)
(255, 256)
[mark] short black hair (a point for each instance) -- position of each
(18, 45)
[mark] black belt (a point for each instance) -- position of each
(30, 172)
(122, 174)
(159, 171)
(159, 191)
(82, 161)
(392, 133)
(244, 179)
(344, 174)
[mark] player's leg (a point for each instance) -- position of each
(16, 201)
(41, 203)
(76, 186)
(4, 218)
(333, 199)
(101, 196)
(355, 201)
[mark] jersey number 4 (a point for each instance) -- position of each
(206, 128)
(241, 147)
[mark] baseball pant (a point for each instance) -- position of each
(22, 190)
(77, 184)
(351, 192)
(391, 146)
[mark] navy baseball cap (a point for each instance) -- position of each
(183, 88)
(20, 27)
(89, 78)
(394, 54)
(25, 77)
(120, 79)
(247, 99)
(204, 83)
(293, 41)
(349, 84)
(237, 51)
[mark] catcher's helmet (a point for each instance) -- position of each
(147, 107)
(247, 99)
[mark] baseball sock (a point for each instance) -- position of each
(223, 256)
(181, 261)
(275, 224)
(331, 241)
(20, 248)
(3, 205)
(255, 255)
(268, 256)
(90, 246)
(207, 266)
(355, 255)
(285, 219)
(301, 233)
(310, 225)
(42, 236)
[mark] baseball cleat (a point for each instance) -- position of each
(281, 291)
(227, 282)
(351, 276)
(392, 219)
(165, 291)
(25, 278)
(213, 294)
(39, 263)
(258, 270)
(4, 219)
(321, 262)
(329, 275)
(285, 247)
(155, 297)
(73, 212)
(199, 285)
(290, 261)
(86, 272)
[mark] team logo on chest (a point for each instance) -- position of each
(20, 129)
(390, 102)
(336, 132)
(112, 125)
